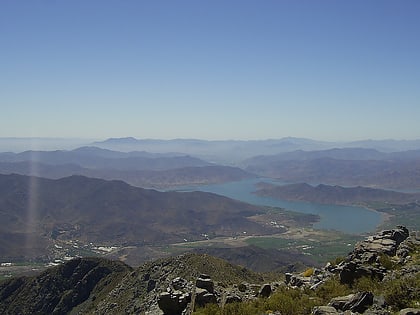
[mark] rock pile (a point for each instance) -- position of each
(181, 295)
(366, 260)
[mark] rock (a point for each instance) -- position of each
(205, 283)
(410, 311)
(265, 290)
(299, 281)
(324, 310)
(151, 284)
(358, 302)
(203, 297)
(386, 242)
(173, 303)
(353, 270)
(242, 287)
(179, 283)
(288, 277)
(233, 298)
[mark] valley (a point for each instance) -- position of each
(92, 201)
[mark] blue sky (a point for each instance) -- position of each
(238, 69)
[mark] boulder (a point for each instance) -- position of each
(151, 284)
(205, 283)
(233, 298)
(173, 303)
(265, 290)
(242, 287)
(358, 302)
(353, 270)
(203, 297)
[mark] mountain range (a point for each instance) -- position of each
(138, 168)
(346, 167)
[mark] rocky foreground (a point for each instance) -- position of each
(380, 276)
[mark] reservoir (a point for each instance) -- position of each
(347, 219)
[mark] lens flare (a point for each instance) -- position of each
(32, 206)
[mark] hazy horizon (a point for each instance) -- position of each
(214, 70)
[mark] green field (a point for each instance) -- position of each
(326, 247)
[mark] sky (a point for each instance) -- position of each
(216, 69)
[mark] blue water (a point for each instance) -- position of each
(348, 219)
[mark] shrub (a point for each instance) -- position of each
(308, 272)
(367, 284)
(403, 292)
(386, 262)
(337, 261)
(331, 288)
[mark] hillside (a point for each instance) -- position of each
(334, 194)
(88, 285)
(36, 213)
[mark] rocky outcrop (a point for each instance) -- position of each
(358, 302)
(364, 260)
(385, 242)
(370, 258)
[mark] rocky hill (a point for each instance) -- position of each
(380, 276)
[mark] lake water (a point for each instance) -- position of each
(348, 219)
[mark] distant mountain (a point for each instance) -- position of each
(388, 145)
(219, 151)
(334, 194)
(34, 211)
(97, 158)
(335, 153)
(235, 151)
(225, 151)
(141, 178)
(346, 167)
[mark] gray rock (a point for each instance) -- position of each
(265, 290)
(179, 283)
(410, 311)
(233, 298)
(353, 270)
(242, 287)
(358, 302)
(173, 303)
(204, 283)
(324, 310)
(203, 297)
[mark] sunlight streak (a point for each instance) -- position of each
(32, 204)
